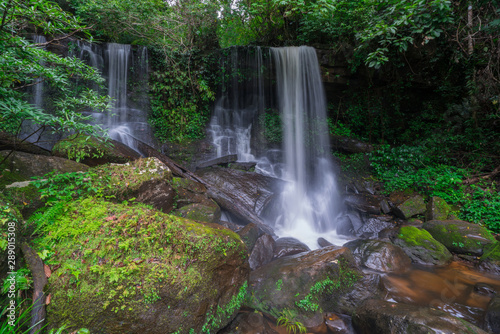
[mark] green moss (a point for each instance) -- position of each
(25, 199)
(491, 252)
(416, 237)
(79, 146)
(122, 259)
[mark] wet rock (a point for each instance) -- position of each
(349, 224)
(437, 209)
(484, 290)
(289, 246)
(384, 206)
(492, 317)
(490, 260)
(189, 192)
(248, 323)
(322, 242)
(159, 194)
(315, 324)
(200, 212)
(413, 206)
(374, 225)
(459, 236)
(421, 247)
(249, 234)
(231, 226)
(336, 324)
(286, 283)
(379, 255)
(263, 252)
(98, 151)
(381, 317)
(367, 287)
(363, 202)
(254, 190)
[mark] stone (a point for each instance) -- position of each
(490, 260)
(379, 255)
(365, 203)
(218, 161)
(289, 246)
(437, 209)
(287, 283)
(349, 224)
(374, 225)
(484, 289)
(413, 206)
(492, 317)
(97, 151)
(322, 242)
(200, 212)
(131, 269)
(27, 165)
(459, 236)
(421, 247)
(249, 234)
(262, 253)
(253, 190)
(336, 324)
(249, 323)
(381, 317)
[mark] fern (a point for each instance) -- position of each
(46, 216)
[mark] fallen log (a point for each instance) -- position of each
(35, 265)
(233, 206)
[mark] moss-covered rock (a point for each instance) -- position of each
(490, 260)
(459, 236)
(199, 212)
(379, 255)
(20, 166)
(421, 247)
(413, 206)
(25, 198)
(437, 209)
(308, 283)
(132, 269)
(93, 151)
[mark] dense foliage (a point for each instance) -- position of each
(24, 64)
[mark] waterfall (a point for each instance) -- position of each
(241, 100)
(310, 201)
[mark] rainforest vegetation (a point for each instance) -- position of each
(418, 80)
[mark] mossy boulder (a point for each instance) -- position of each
(200, 212)
(379, 255)
(144, 180)
(459, 236)
(132, 269)
(20, 166)
(24, 197)
(490, 260)
(437, 209)
(306, 284)
(411, 207)
(421, 247)
(93, 151)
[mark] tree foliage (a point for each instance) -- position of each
(24, 64)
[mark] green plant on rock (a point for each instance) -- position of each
(287, 320)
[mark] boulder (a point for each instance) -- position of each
(381, 317)
(218, 161)
(437, 209)
(374, 225)
(249, 234)
(379, 255)
(21, 166)
(93, 151)
(24, 197)
(322, 242)
(308, 283)
(492, 317)
(349, 224)
(421, 247)
(459, 236)
(262, 253)
(336, 324)
(131, 269)
(253, 190)
(413, 206)
(365, 203)
(249, 323)
(200, 212)
(289, 246)
(490, 260)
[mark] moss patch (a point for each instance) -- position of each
(126, 265)
(421, 247)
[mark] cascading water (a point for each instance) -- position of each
(127, 120)
(310, 201)
(241, 101)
